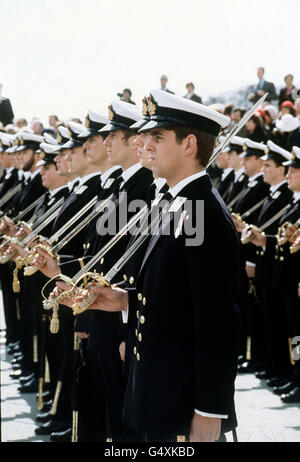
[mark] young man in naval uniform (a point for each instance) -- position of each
(181, 382)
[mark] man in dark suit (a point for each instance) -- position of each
(285, 285)
(225, 181)
(263, 321)
(173, 392)
(248, 206)
(9, 176)
(235, 162)
(190, 93)
(33, 189)
(6, 112)
(31, 286)
(59, 425)
(262, 87)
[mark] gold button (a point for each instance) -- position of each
(134, 351)
(102, 274)
(281, 258)
(144, 301)
(138, 356)
(262, 253)
(84, 246)
(281, 249)
(140, 337)
(101, 261)
(131, 280)
(138, 314)
(276, 257)
(136, 332)
(124, 277)
(139, 297)
(142, 319)
(257, 252)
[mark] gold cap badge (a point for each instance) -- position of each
(152, 107)
(293, 156)
(42, 154)
(245, 147)
(145, 107)
(111, 113)
(59, 138)
(87, 122)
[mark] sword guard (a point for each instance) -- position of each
(80, 307)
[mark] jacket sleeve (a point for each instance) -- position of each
(212, 271)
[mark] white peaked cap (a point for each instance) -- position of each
(49, 138)
(168, 109)
(275, 148)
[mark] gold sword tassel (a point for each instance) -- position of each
(56, 398)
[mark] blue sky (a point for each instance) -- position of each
(65, 56)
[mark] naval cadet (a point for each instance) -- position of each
(284, 323)
(174, 390)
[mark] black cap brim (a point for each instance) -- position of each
(155, 124)
(71, 144)
(139, 124)
(292, 163)
(88, 134)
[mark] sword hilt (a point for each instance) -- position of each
(80, 307)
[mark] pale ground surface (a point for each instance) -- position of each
(261, 414)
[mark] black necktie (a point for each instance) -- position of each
(117, 184)
(167, 196)
(74, 186)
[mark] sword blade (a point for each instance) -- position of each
(236, 129)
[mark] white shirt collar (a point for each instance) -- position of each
(85, 178)
(71, 183)
(238, 173)
(8, 172)
(54, 191)
(107, 173)
(35, 173)
(226, 172)
(276, 186)
(129, 172)
(26, 175)
(179, 186)
(159, 183)
(252, 178)
(21, 173)
(297, 196)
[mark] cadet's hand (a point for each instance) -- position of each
(122, 349)
(17, 248)
(259, 239)
(82, 335)
(239, 224)
(47, 264)
(291, 233)
(68, 301)
(260, 92)
(108, 298)
(250, 270)
(251, 96)
(204, 429)
(24, 230)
